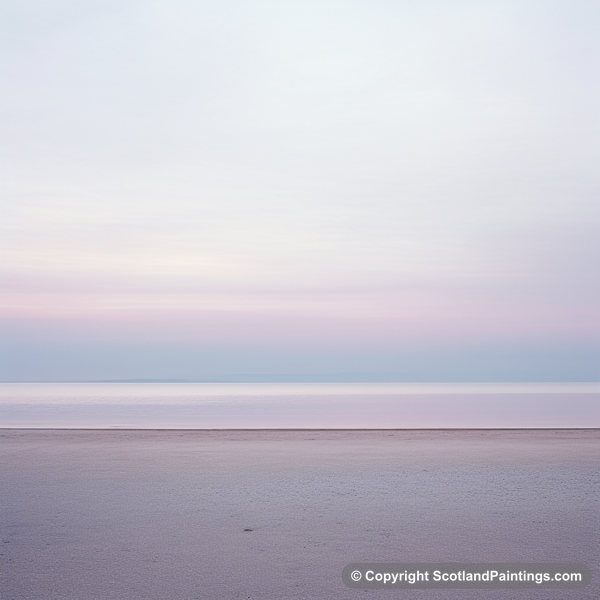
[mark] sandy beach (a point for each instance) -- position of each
(274, 514)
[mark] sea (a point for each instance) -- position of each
(299, 405)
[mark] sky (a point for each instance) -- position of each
(377, 189)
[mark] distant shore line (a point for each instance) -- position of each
(305, 379)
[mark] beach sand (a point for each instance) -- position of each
(137, 514)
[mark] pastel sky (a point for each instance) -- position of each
(194, 188)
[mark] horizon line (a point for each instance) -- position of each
(308, 378)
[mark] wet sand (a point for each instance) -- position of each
(133, 514)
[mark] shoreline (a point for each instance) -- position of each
(125, 428)
(276, 514)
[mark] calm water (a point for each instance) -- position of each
(298, 405)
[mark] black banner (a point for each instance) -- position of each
(466, 575)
